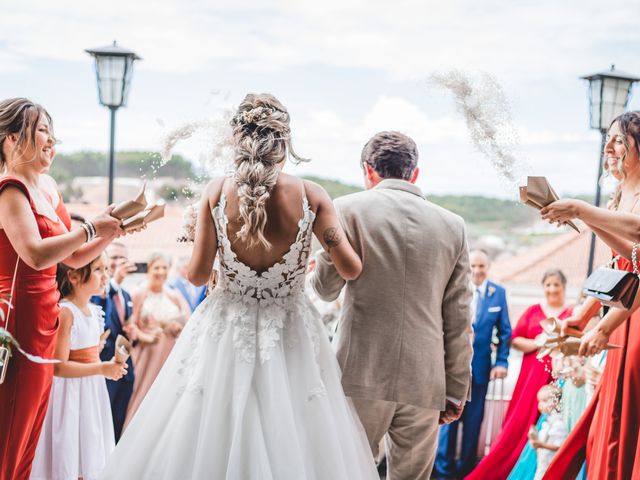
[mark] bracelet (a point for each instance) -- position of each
(86, 231)
(634, 257)
(90, 230)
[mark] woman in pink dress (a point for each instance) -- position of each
(534, 373)
(159, 313)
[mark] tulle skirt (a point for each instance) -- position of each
(250, 391)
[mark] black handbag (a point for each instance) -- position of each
(614, 288)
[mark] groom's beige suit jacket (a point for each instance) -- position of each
(404, 333)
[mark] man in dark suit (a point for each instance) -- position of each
(490, 312)
(117, 306)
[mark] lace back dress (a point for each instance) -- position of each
(252, 388)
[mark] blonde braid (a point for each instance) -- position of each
(261, 141)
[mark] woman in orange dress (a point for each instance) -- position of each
(608, 433)
(33, 238)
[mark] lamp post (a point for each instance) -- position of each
(114, 69)
(609, 93)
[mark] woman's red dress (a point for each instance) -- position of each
(523, 407)
(607, 433)
(34, 321)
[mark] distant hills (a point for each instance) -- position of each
(485, 212)
(129, 164)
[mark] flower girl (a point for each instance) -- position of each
(78, 434)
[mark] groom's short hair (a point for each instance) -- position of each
(391, 154)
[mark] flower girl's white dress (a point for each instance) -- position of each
(77, 435)
(252, 388)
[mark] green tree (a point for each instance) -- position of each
(128, 164)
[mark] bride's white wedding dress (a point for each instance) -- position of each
(251, 389)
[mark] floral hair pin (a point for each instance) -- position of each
(249, 117)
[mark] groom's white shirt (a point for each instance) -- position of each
(405, 329)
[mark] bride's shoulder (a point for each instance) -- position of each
(316, 194)
(213, 191)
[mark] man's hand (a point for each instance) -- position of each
(451, 413)
(124, 268)
(498, 372)
(132, 331)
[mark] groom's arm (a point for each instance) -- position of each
(456, 323)
(325, 279)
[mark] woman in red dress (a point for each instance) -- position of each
(523, 407)
(33, 239)
(608, 433)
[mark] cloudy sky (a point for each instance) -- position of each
(345, 69)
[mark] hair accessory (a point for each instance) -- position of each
(249, 117)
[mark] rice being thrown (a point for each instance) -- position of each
(487, 114)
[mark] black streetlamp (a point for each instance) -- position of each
(114, 69)
(609, 93)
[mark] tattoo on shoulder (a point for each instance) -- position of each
(332, 237)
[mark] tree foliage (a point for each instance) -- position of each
(128, 164)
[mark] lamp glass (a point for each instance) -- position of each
(595, 93)
(614, 99)
(111, 74)
(128, 74)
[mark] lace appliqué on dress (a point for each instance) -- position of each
(263, 309)
(272, 297)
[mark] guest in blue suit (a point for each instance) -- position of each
(490, 312)
(192, 294)
(117, 306)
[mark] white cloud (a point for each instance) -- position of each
(378, 51)
(407, 39)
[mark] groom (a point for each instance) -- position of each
(404, 336)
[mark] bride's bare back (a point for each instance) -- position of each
(284, 210)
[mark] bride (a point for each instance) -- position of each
(252, 388)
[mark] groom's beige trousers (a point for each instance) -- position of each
(411, 440)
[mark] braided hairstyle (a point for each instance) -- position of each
(261, 141)
(629, 123)
(19, 116)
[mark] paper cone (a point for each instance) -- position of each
(143, 218)
(550, 343)
(123, 349)
(551, 326)
(524, 198)
(539, 193)
(105, 335)
(131, 207)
